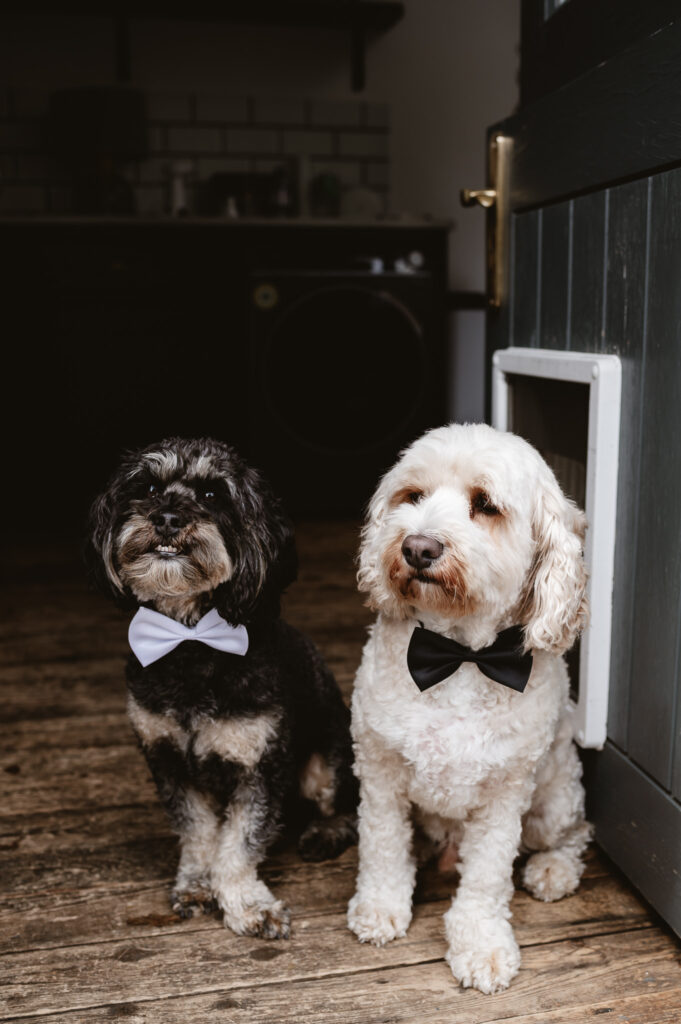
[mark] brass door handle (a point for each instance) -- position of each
(496, 201)
(482, 196)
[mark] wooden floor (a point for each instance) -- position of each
(87, 861)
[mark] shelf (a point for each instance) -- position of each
(360, 18)
(370, 15)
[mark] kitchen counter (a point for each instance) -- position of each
(275, 223)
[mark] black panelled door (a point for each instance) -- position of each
(594, 264)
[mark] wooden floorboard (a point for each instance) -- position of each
(87, 859)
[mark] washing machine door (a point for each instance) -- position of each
(343, 372)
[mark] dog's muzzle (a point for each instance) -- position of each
(168, 523)
(420, 551)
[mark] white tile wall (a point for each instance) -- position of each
(216, 132)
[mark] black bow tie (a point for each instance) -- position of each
(432, 657)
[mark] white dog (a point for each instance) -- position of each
(468, 536)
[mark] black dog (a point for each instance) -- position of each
(234, 738)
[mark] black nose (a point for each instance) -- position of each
(167, 523)
(420, 551)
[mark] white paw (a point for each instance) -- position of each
(482, 954)
(552, 874)
(266, 922)
(253, 910)
(377, 923)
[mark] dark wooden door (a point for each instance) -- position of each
(595, 265)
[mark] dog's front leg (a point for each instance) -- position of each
(248, 906)
(380, 910)
(483, 952)
(190, 812)
(198, 830)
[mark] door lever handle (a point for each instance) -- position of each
(496, 201)
(482, 196)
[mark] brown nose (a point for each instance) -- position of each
(420, 551)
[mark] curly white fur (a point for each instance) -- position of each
(486, 765)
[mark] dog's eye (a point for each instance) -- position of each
(206, 490)
(481, 502)
(152, 489)
(414, 497)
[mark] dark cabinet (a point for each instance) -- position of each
(120, 333)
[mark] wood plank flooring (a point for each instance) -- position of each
(86, 860)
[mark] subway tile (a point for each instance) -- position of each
(153, 170)
(335, 113)
(208, 165)
(355, 156)
(168, 106)
(219, 107)
(194, 140)
(279, 110)
(362, 144)
(157, 170)
(308, 143)
(348, 172)
(252, 140)
(268, 166)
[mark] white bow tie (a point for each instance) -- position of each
(151, 635)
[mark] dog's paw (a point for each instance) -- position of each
(488, 970)
(377, 923)
(192, 901)
(326, 838)
(264, 920)
(482, 954)
(552, 874)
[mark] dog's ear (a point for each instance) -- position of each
(265, 559)
(369, 569)
(98, 550)
(555, 608)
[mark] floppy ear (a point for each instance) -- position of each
(98, 551)
(555, 609)
(369, 568)
(265, 557)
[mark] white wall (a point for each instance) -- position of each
(449, 70)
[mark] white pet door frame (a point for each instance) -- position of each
(600, 377)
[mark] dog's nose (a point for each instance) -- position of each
(420, 551)
(167, 523)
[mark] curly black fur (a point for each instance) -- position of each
(204, 483)
(247, 513)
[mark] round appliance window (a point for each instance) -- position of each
(345, 368)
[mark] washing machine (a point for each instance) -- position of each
(347, 368)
